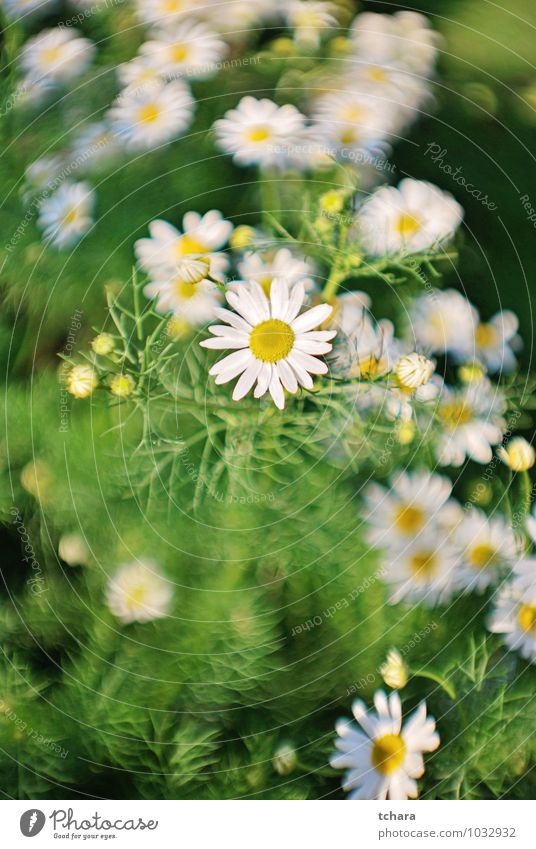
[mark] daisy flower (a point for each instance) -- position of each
(487, 546)
(67, 214)
(416, 216)
(410, 505)
(472, 421)
(137, 592)
(138, 72)
(494, 339)
(276, 347)
(514, 614)
(94, 146)
(259, 132)
(58, 54)
(202, 236)
(424, 570)
(164, 12)
(196, 302)
(519, 455)
(366, 349)
(348, 119)
(190, 49)
(309, 20)
(265, 267)
(444, 322)
(152, 115)
(43, 173)
(404, 38)
(384, 759)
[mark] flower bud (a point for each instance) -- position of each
(285, 759)
(519, 455)
(413, 370)
(103, 344)
(394, 671)
(82, 381)
(122, 385)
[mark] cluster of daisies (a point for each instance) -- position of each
(351, 113)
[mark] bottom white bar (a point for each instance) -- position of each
(247, 824)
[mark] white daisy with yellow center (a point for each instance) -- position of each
(514, 614)
(488, 547)
(189, 49)
(384, 759)
(424, 570)
(416, 216)
(412, 504)
(276, 348)
(349, 119)
(471, 422)
(165, 13)
(495, 340)
(404, 39)
(444, 322)
(259, 132)
(310, 20)
(67, 215)
(148, 116)
(138, 592)
(59, 55)
(266, 266)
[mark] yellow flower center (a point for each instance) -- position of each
(351, 112)
(136, 595)
(70, 216)
(173, 5)
(485, 335)
(409, 519)
(180, 52)
(482, 555)
(423, 564)
(185, 290)
(149, 113)
(372, 366)
(377, 74)
(527, 618)
(388, 753)
(455, 413)
(189, 245)
(407, 224)
(258, 134)
(271, 340)
(51, 55)
(349, 135)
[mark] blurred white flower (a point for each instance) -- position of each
(383, 762)
(165, 13)
(514, 613)
(276, 348)
(309, 19)
(259, 132)
(43, 173)
(190, 49)
(94, 146)
(519, 455)
(285, 759)
(196, 302)
(202, 237)
(404, 38)
(348, 120)
(265, 266)
(138, 592)
(412, 504)
(151, 115)
(17, 10)
(488, 547)
(138, 72)
(494, 340)
(414, 217)
(67, 214)
(471, 421)
(57, 54)
(423, 571)
(444, 322)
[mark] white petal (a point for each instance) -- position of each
(276, 390)
(304, 379)
(245, 306)
(263, 381)
(233, 319)
(278, 298)
(295, 302)
(232, 360)
(309, 346)
(312, 318)
(247, 380)
(287, 376)
(310, 364)
(222, 342)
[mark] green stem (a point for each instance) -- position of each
(432, 676)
